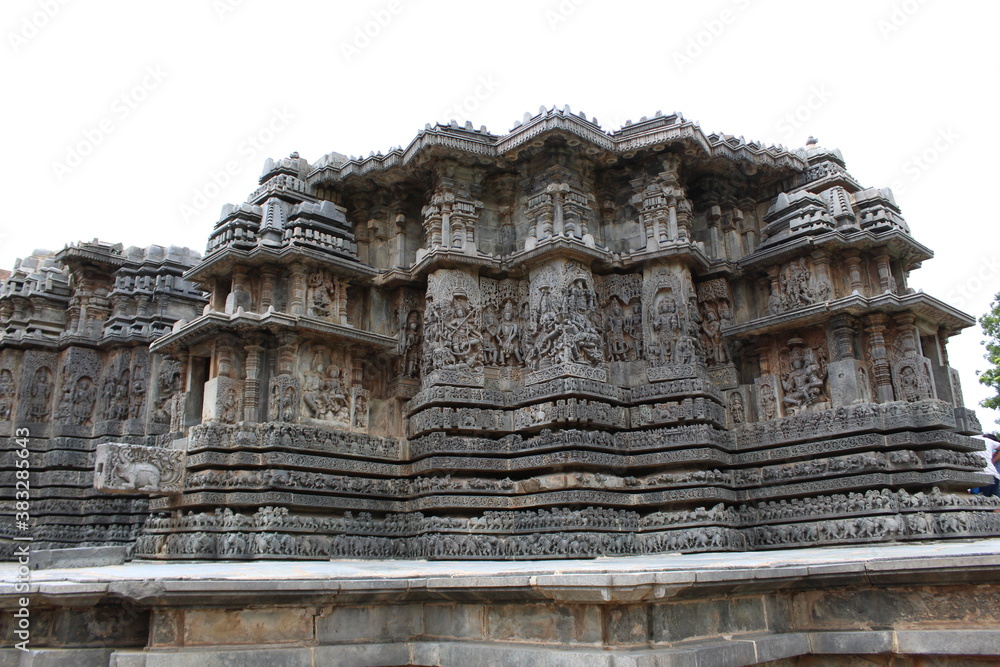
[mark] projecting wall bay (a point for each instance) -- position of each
(564, 388)
(850, 419)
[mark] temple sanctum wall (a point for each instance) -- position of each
(560, 342)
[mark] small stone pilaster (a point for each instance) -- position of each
(880, 363)
(298, 289)
(854, 273)
(251, 387)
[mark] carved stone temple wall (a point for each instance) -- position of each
(75, 370)
(555, 343)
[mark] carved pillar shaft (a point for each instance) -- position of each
(544, 224)
(238, 288)
(843, 344)
(224, 357)
(718, 248)
(909, 337)
(558, 221)
(854, 273)
(886, 282)
(298, 285)
(880, 364)
(824, 286)
(446, 226)
(286, 354)
(682, 218)
(942, 337)
(251, 388)
(342, 300)
(400, 240)
(650, 226)
(266, 289)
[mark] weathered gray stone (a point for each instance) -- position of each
(451, 621)
(248, 626)
(562, 624)
(256, 657)
(851, 643)
(367, 655)
(780, 646)
(948, 642)
(76, 657)
(373, 623)
(44, 559)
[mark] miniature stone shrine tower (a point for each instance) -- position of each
(559, 342)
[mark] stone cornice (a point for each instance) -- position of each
(656, 133)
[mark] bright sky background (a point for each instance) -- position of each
(167, 99)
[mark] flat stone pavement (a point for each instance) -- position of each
(666, 568)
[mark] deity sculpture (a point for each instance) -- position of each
(39, 395)
(803, 383)
(666, 324)
(509, 336)
(617, 347)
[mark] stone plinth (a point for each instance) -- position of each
(910, 604)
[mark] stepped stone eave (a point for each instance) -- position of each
(106, 257)
(947, 317)
(896, 243)
(223, 261)
(213, 324)
(656, 134)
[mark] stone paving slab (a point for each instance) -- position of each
(594, 580)
(708, 566)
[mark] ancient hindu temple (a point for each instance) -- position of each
(559, 342)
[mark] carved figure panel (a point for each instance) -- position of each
(565, 319)
(911, 379)
(673, 323)
(40, 394)
(326, 390)
(283, 399)
(121, 468)
(716, 313)
(453, 325)
(621, 296)
(803, 376)
(8, 394)
(326, 296)
(169, 383)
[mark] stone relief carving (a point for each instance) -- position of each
(121, 468)
(412, 344)
(326, 296)
(716, 313)
(803, 377)
(40, 395)
(167, 411)
(453, 326)
(664, 210)
(673, 328)
(911, 379)
(8, 394)
(565, 318)
(326, 393)
(283, 401)
(791, 287)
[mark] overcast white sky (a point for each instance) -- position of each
(123, 116)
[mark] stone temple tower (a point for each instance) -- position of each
(560, 342)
